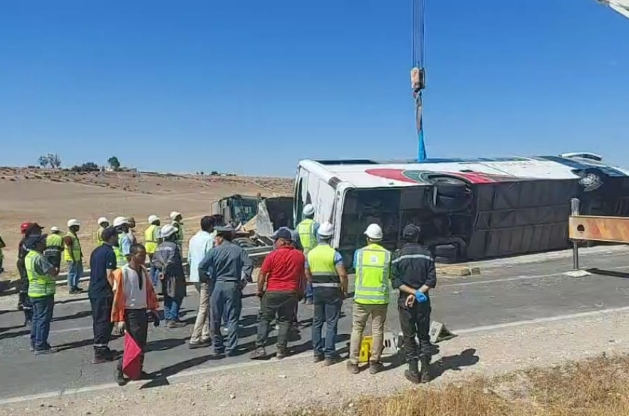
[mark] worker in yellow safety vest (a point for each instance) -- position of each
(41, 292)
(326, 272)
(73, 256)
(176, 220)
(123, 250)
(54, 247)
(307, 232)
(371, 298)
(151, 241)
(102, 224)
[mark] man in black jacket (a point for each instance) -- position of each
(413, 273)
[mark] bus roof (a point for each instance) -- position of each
(364, 173)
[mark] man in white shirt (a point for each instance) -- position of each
(198, 247)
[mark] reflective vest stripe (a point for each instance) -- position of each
(39, 285)
(372, 275)
(412, 256)
(76, 249)
(326, 285)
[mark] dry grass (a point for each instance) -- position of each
(595, 387)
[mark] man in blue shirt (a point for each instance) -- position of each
(228, 268)
(102, 265)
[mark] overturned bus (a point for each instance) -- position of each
(468, 209)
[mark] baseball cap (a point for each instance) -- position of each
(108, 233)
(411, 230)
(283, 233)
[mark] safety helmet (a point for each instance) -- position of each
(174, 215)
(152, 219)
(326, 230)
(73, 222)
(101, 220)
(24, 226)
(374, 232)
(118, 221)
(54, 229)
(166, 231)
(309, 210)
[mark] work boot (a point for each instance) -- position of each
(424, 376)
(412, 374)
(353, 368)
(175, 324)
(119, 377)
(48, 350)
(330, 361)
(259, 353)
(375, 367)
(318, 358)
(200, 344)
(281, 353)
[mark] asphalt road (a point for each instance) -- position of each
(512, 293)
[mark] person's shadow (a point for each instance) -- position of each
(466, 358)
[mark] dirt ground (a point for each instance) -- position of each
(52, 197)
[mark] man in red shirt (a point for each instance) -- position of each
(279, 288)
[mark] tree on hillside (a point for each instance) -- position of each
(114, 163)
(51, 159)
(43, 161)
(86, 167)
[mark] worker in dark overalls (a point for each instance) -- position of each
(413, 273)
(227, 268)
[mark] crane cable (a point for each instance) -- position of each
(418, 74)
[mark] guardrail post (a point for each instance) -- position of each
(574, 206)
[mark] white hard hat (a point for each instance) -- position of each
(374, 232)
(102, 220)
(174, 214)
(54, 229)
(326, 230)
(309, 209)
(153, 218)
(166, 231)
(118, 221)
(73, 222)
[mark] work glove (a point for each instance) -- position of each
(420, 297)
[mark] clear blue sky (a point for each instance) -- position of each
(252, 86)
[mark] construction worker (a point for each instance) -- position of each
(73, 256)
(151, 240)
(371, 298)
(176, 220)
(131, 232)
(134, 300)
(413, 273)
(279, 287)
(102, 224)
(307, 231)
(103, 262)
(198, 247)
(326, 272)
(122, 250)
(54, 247)
(26, 229)
(167, 259)
(228, 267)
(41, 291)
